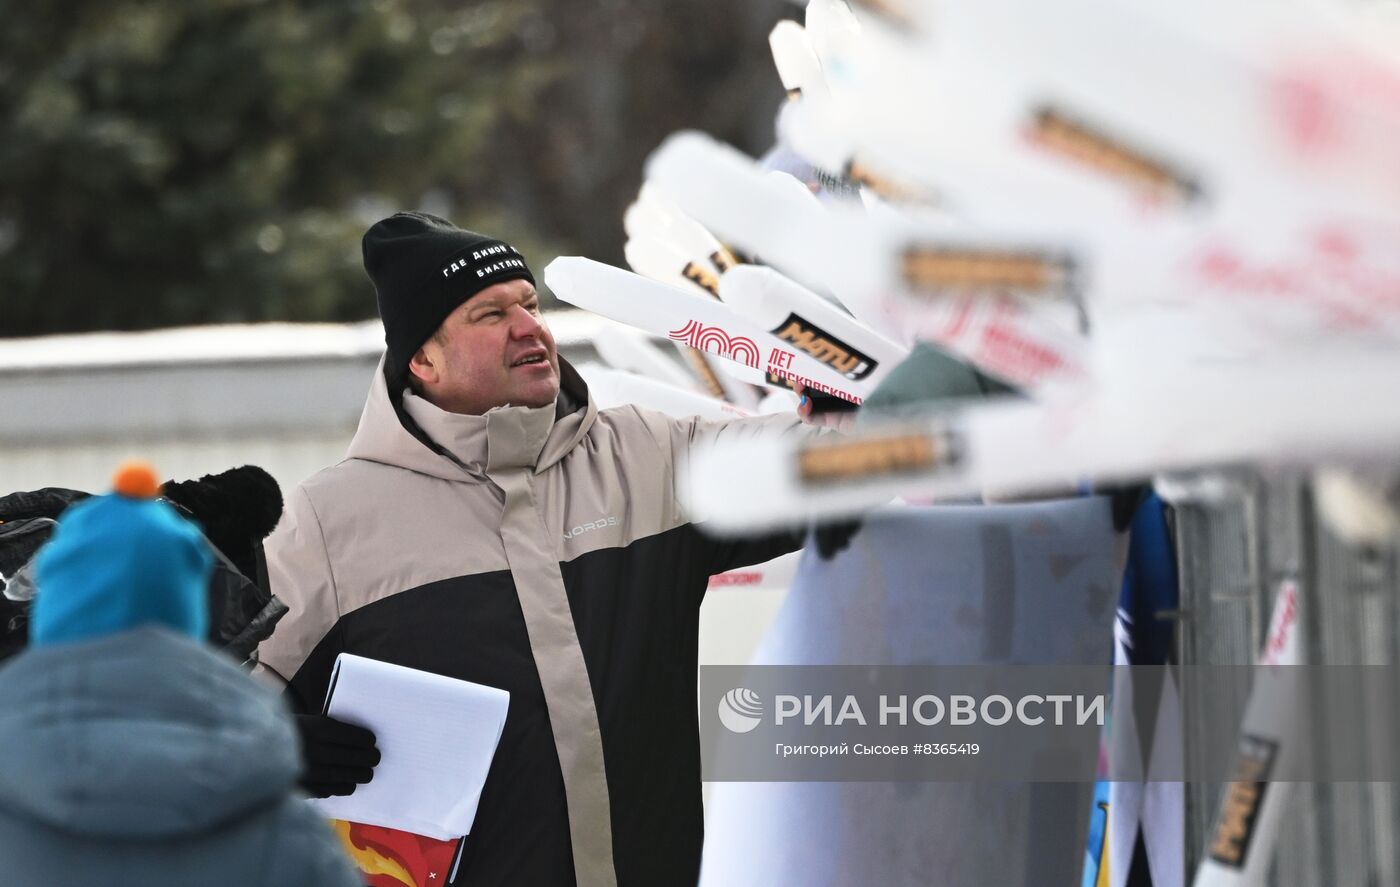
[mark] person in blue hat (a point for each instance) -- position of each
(132, 753)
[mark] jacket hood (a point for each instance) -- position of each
(140, 734)
(413, 434)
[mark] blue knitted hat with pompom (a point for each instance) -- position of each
(121, 561)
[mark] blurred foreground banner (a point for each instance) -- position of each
(1033, 584)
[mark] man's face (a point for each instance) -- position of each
(494, 350)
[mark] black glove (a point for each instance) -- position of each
(336, 756)
(829, 403)
(1125, 501)
(832, 538)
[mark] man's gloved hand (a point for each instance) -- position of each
(833, 538)
(1125, 501)
(825, 410)
(336, 756)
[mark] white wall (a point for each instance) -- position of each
(198, 401)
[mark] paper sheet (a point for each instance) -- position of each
(436, 736)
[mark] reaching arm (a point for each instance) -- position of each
(688, 435)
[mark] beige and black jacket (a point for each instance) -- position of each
(541, 551)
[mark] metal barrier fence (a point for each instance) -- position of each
(1238, 538)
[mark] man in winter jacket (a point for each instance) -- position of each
(490, 523)
(134, 754)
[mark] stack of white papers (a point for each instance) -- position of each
(436, 737)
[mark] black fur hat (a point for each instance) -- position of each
(237, 509)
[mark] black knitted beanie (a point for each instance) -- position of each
(423, 267)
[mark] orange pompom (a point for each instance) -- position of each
(136, 480)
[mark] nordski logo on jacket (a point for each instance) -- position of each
(598, 524)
